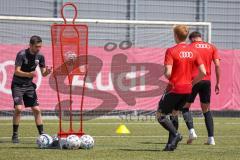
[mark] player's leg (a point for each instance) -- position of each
(180, 100)
(30, 100)
(38, 119)
(174, 119)
(209, 123)
(188, 116)
(16, 121)
(175, 137)
(189, 122)
(205, 96)
(166, 105)
(17, 94)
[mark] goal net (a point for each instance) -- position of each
(125, 64)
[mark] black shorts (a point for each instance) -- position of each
(172, 101)
(24, 94)
(203, 88)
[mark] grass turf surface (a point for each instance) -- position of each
(145, 142)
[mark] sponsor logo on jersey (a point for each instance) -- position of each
(186, 54)
(202, 46)
(36, 62)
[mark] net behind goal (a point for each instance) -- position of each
(125, 64)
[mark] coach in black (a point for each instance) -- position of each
(23, 89)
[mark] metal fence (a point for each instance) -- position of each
(224, 14)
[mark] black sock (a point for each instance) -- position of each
(174, 120)
(209, 123)
(15, 129)
(170, 137)
(167, 124)
(40, 129)
(188, 118)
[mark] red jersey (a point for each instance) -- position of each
(183, 58)
(208, 53)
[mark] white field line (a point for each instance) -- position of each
(125, 136)
(116, 123)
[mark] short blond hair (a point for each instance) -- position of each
(181, 31)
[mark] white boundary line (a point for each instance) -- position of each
(125, 136)
(118, 123)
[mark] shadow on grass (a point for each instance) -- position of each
(151, 143)
(23, 147)
(194, 144)
(21, 142)
(140, 150)
(32, 143)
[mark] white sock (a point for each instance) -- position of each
(192, 130)
(211, 138)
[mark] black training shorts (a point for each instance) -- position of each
(24, 94)
(203, 88)
(172, 101)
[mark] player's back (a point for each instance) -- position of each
(182, 57)
(208, 52)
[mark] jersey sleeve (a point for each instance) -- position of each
(19, 60)
(198, 60)
(215, 53)
(168, 58)
(42, 62)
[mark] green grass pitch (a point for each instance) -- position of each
(145, 142)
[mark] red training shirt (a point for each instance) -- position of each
(183, 58)
(208, 53)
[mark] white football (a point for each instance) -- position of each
(44, 141)
(87, 142)
(73, 142)
(70, 56)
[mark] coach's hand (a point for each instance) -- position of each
(48, 70)
(217, 89)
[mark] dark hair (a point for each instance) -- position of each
(35, 40)
(195, 34)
